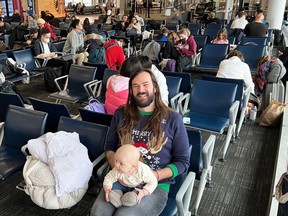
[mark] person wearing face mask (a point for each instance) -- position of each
(45, 49)
(186, 47)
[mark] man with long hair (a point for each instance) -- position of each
(159, 134)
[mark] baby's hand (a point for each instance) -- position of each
(107, 190)
(141, 194)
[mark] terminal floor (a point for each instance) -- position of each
(241, 186)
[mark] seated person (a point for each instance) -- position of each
(32, 22)
(122, 25)
(118, 85)
(44, 48)
(15, 16)
(212, 19)
(164, 35)
(187, 48)
(256, 28)
(159, 134)
(170, 52)
(160, 78)
(74, 43)
(42, 24)
(114, 52)
(33, 37)
(5, 31)
(234, 67)
(240, 22)
(221, 37)
(130, 180)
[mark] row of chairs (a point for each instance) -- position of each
(16, 136)
(212, 54)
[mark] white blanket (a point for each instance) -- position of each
(67, 158)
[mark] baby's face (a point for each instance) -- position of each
(122, 164)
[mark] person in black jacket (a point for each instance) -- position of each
(45, 49)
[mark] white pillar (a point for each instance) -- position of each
(228, 9)
(275, 13)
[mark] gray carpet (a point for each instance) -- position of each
(241, 186)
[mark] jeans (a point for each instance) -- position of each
(124, 189)
(5, 38)
(151, 205)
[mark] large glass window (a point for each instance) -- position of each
(86, 2)
(10, 7)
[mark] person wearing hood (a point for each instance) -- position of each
(187, 48)
(118, 85)
(114, 52)
(42, 24)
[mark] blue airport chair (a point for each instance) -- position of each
(173, 84)
(211, 33)
(242, 95)
(214, 26)
(7, 99)
(186, 83)
(54, 111)
(95, 117)
(252, 54)
(201, 40)
(87, 132)
(212, 107)
(209, 60)
(76, 84)
(20, 126)
(200, 162)
(254, 40)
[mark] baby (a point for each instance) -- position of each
(129, 180)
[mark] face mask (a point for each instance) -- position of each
(183, 40)
(46, 40)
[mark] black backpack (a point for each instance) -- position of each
(49, 77)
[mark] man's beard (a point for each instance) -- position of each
(142, 103)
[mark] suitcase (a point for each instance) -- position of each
(272, 91)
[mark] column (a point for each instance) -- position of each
(275, 13)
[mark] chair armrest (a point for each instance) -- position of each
(184, 194)
(207, 152)
(99, 159)
(246, 95)
(196, 59)
(44, 63)
(60, 78)
(60, 53)
(186, 99)
(174, 101)
(90, 93)
(1, 132)
(233, 112)
(24, 150)
(93, 88)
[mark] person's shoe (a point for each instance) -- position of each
(115, 198)
(129, 198)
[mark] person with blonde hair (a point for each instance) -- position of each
(130, 179)
(170, 51)
(221, 37)
(187, 47)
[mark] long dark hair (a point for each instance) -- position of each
(154, 123)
